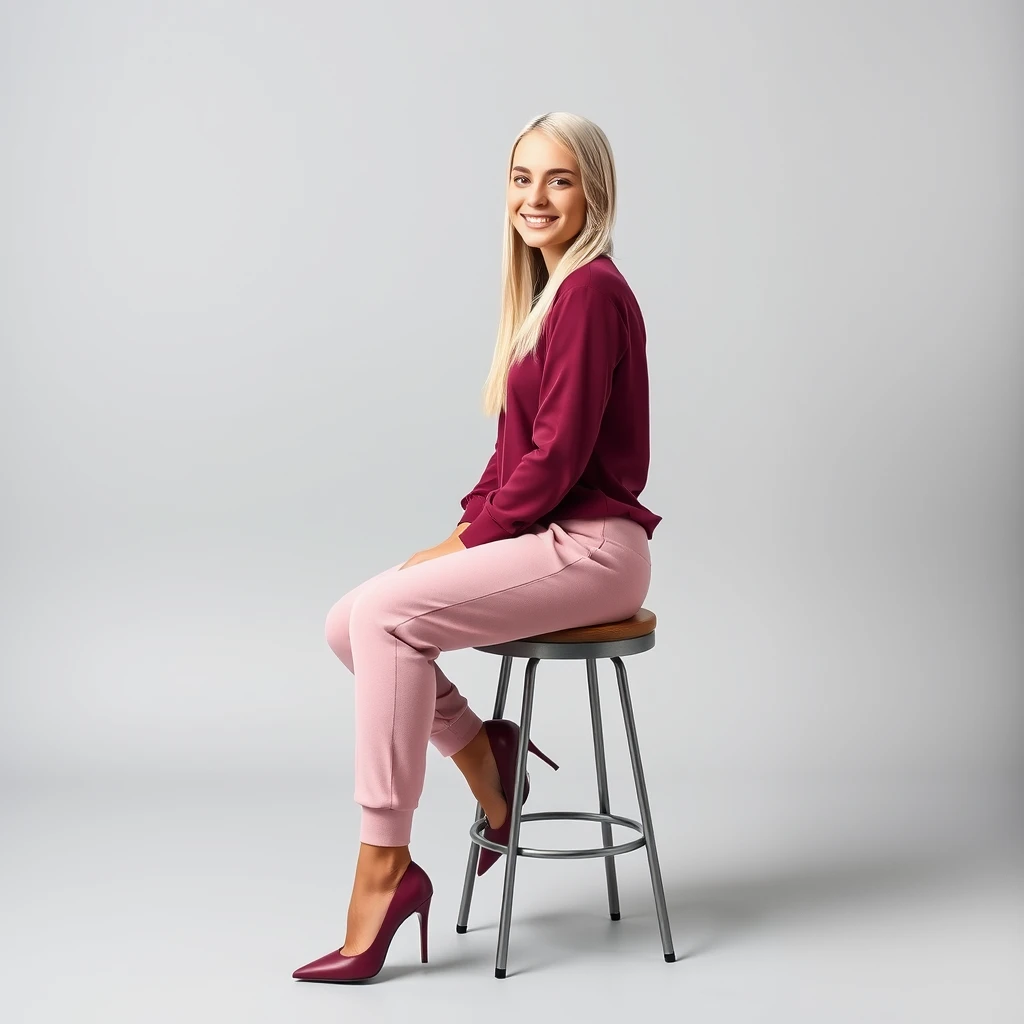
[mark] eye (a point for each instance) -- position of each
(522, 177)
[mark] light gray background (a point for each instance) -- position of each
(248, 296)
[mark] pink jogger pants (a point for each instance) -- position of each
(389, 630)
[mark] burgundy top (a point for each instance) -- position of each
(574, 438)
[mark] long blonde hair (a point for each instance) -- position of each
(523, 270)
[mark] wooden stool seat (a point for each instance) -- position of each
(625, 629)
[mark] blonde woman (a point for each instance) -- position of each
(552, 535)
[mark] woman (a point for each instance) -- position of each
(552, 535)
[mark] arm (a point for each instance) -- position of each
(586, 339)
(473, 501)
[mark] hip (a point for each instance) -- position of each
(602, 533)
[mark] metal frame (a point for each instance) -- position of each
(534, 651)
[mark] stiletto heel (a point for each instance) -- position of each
(423, 911)
(503, 737)
(532, 747)
(411, 897)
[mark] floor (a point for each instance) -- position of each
(151, 904)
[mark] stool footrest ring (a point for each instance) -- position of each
(476, 829)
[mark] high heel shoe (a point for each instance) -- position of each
(503, 737)
(411, 897)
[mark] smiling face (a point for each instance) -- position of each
(545, 182)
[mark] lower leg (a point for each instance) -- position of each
(476, 762)
(455, 723)
(379, 869)
(458, 733)
(394, 702)
(388, 786)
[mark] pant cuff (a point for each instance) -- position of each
(381, 826)
(451, 740)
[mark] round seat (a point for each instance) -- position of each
(625, 629)
(601, 640)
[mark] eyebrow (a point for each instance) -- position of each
(554, 170)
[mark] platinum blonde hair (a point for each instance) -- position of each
(527, 291)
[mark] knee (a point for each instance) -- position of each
(336, 630)
(369, 611)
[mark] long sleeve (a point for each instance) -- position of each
(488, 481)
(586, 338)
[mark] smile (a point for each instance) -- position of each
(539, 222)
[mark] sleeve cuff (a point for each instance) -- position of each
(482, 530)
(473, 506)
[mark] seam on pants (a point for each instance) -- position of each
(621, 547)
(604, 530)
(455, 721)
(394, 714)
(483, 597)
(632, 551)
(624, 547)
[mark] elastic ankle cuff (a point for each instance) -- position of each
(381, 826)
(458, 735)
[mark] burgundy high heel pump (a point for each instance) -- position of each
(503, 737)
(411, 897)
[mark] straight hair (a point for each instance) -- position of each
(527, 290)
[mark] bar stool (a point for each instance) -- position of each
(614, 640)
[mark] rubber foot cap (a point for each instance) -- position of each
(461, 929)
(499, 972)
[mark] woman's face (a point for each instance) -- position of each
(545, 181)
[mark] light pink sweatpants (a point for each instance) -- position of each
(389, 630)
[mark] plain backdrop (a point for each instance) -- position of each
(250, 279)
(249, 282)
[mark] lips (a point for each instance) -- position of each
(539, 224)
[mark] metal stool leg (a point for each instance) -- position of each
(474, 850)
(516, 810)
(602, 787)
(645, 809)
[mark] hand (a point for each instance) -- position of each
(446, 547)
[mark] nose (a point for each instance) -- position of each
(537, 200)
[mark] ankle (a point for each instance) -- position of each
(472, 759)
(382, 864)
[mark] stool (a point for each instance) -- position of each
(614, 640)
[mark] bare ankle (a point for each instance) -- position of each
(473, 754)
(382, 864)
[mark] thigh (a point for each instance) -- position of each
(336, 628)
(569, 573)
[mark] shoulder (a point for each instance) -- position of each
(589, 306)
(599, 284)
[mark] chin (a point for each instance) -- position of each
(534, 244)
